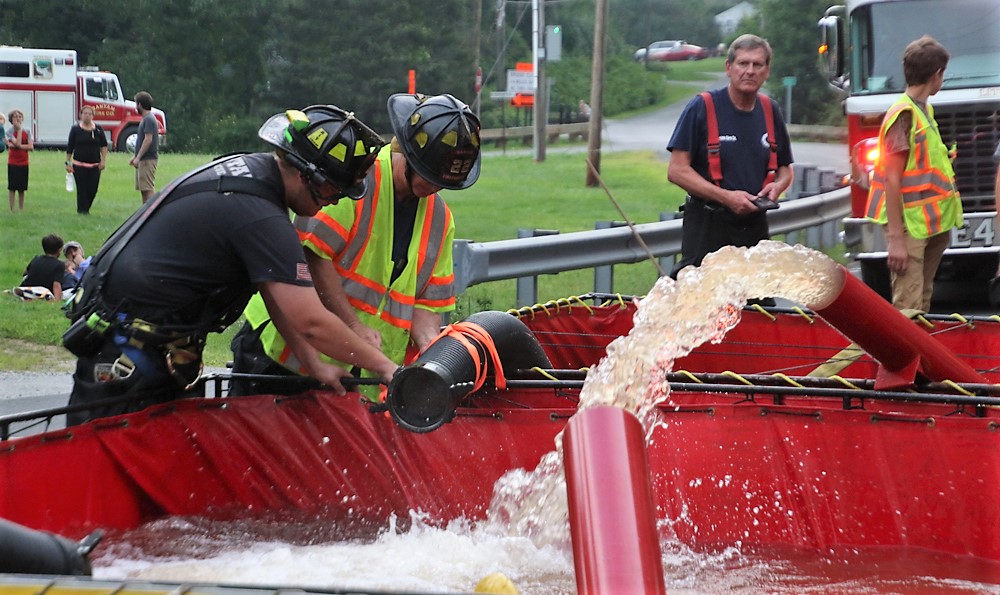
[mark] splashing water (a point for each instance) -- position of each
(675, 317)
(526, 533)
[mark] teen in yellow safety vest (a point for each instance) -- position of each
(913, 191)
(931, 204)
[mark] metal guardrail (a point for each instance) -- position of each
(553, 252)
(581, 130)
(525, 134)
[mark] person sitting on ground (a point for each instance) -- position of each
(74, 251)
(45, 270)
(69, 280)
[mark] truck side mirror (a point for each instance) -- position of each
(831, 50)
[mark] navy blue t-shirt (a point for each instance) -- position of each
(209, 251)
(742, 140)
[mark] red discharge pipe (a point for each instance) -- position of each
(612, 517)
(901, 348)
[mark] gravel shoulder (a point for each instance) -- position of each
(48, 370)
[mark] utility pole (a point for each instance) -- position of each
(477, 22)
(539, 110)
(597, 94)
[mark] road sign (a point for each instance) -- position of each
(789, 81)
(502, 95)
(522, 100)
(479, 79)
(521, 81)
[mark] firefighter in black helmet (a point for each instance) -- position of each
(326, 145)
(439, 136)
(384, 264)
(187, 263)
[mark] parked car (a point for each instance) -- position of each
(670, 51)
(655, 49)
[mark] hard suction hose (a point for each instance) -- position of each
(425, 394)
(27, 551)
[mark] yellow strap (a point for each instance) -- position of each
(960, 318)
(583, 303)
(917, 315)
(690, 376)
(803, 314)
(845, 382)
(761, 309)
(544, 373)
(836, 364)
(737, 377)
(787, 379)
(953, 386)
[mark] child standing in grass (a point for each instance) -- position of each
(19, 142)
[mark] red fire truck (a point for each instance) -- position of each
(50, 88)
(861, 53)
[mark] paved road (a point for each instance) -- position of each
(31, 391)
(652, 130)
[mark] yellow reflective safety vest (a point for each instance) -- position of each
(357, 237)
(931, 204)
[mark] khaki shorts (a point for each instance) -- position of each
(145, 175)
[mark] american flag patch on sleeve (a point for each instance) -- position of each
(302, 272)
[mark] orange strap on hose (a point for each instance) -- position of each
(472, 337)
(462, 332)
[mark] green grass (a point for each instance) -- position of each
(513, 192)
(27, 328)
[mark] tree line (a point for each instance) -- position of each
(218, 68)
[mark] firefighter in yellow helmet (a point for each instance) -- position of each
(382, 263)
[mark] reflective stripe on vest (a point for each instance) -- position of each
(931, 202)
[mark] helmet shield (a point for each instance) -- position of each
(439, 137)
(327, 145)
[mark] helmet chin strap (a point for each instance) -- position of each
(314, 191)
(408, 175)
(306, 174)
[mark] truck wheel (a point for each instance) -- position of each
(875, 274)
(127, 140)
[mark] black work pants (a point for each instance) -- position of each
(98, 378)
(87, 181)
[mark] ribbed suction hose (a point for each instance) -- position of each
(424, 395)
